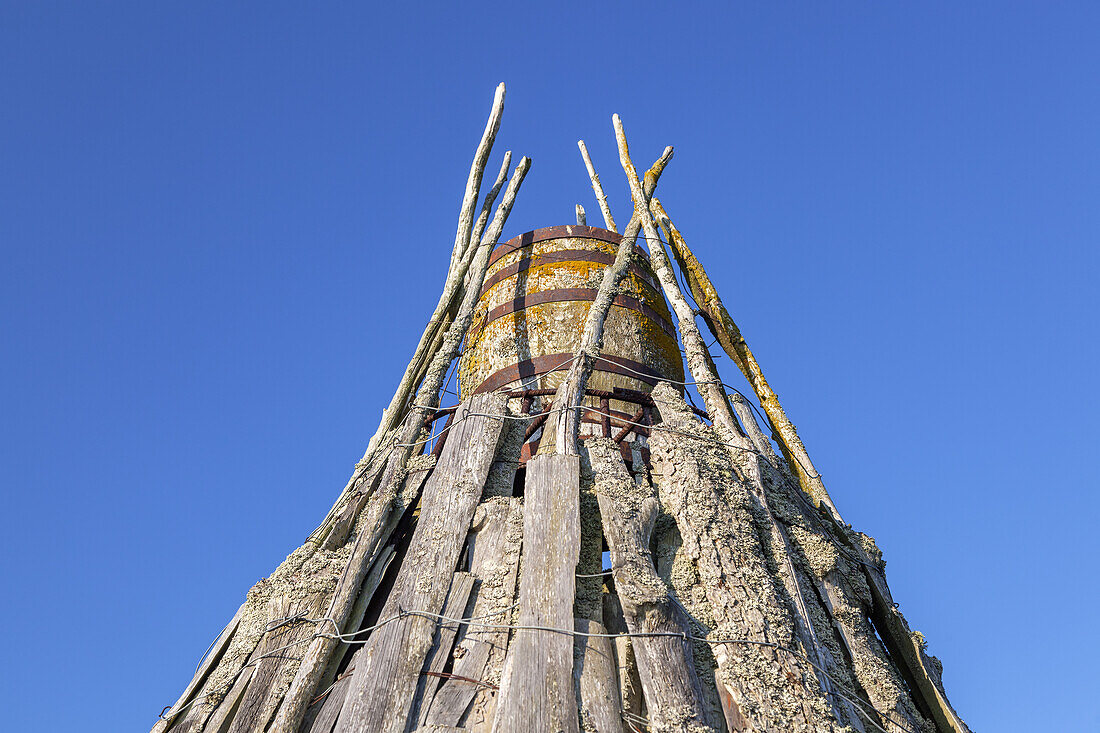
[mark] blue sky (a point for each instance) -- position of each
(224, 225)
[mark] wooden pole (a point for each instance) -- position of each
(473, 181)
(365, 548)
(601, 197)
(733, 343)
(666, 664)
(580, 216)
(567, 426)
(702, 368)
(461, 255)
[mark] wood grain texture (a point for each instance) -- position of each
(536, 692)
(665, 665)
(442, 643)
(212, 657)
(630, 683)
(381, 692)
(494, 550)
(596, 677)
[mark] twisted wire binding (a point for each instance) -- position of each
(471, 621)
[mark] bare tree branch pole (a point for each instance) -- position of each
(702, 368)
(313, 663)
(601, 197)
(576, 379)
(461, 256)
(455, 274)
(733, 343)
(477, 169)
(490, 199)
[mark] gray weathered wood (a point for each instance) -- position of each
(332, 703)
(460, 261)
(596, 678)
(440, 652)
(281, 647)
(581, 220)
(672, 692)
(364, 552)
(494, 550)
(536, 692)
(209, 660)
(630, 684)
(226, 712)
(381, 692)
(335, 696)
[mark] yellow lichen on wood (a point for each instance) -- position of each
(733, 343)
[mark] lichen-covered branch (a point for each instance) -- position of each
(362, 555)
(729, 336)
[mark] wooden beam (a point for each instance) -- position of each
(380, 694)
(494, 550)
(536, 691)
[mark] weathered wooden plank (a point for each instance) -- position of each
(440, 653)
(494, 550)
(665, 664)
(536, 692)
(212, 657)
(596, 678)
(281, 648)
(381, 692)
(713, 509)
(370, 585)
(331, 705)
(316, 659)
(223, 717)
(630, 684)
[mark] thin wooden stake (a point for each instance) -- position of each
(601, 197)
(572, 387)
(580, 216)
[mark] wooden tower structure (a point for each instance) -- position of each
(459, 581)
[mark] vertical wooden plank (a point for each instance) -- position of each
(536, 692)
(630, 684)
(494, 548)
(665, 663)
(445, 633)
(380, 694)
(596, 678)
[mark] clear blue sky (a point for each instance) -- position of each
(224, 224)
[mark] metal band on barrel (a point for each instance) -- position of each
(540, 365)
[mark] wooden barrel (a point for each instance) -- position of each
(532, 309)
